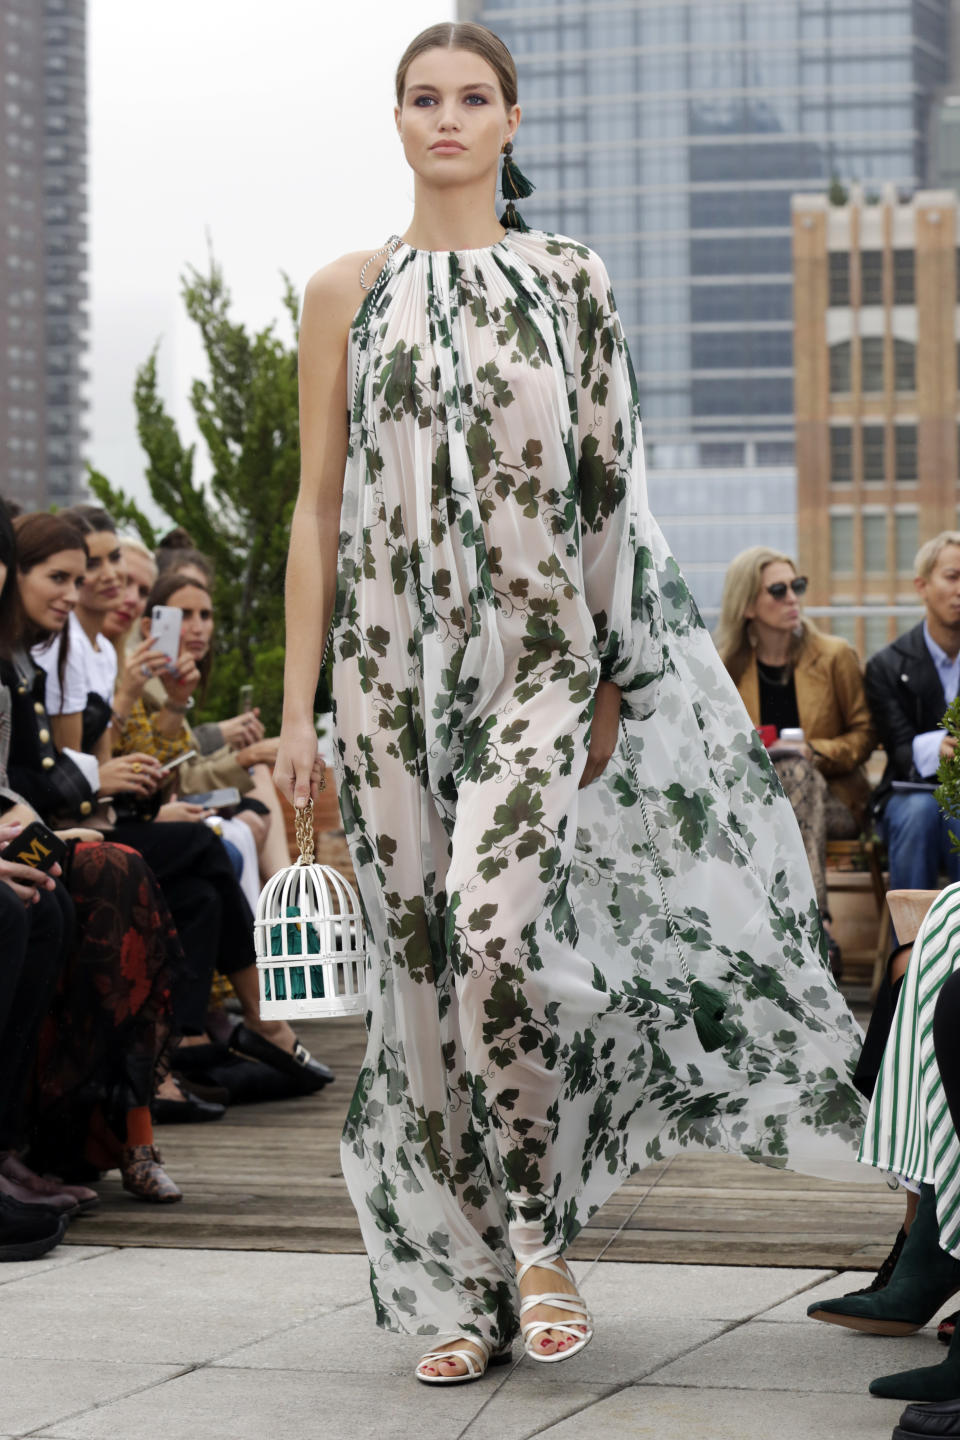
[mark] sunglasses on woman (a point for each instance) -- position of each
(779, 591)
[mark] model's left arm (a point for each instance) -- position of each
(616, 532)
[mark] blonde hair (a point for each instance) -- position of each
(466, 36)
(133, 542)
(929, 554)
(741, 587)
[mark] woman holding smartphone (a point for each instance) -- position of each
(159, 722)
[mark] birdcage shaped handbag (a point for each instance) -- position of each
(310, 940)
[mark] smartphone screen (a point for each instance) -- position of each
(215, 799)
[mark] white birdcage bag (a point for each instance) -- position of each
(310, 941)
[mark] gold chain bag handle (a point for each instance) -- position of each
(707, 1006)
(306, 840)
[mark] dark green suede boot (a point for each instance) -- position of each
(932, 1382)
(924, 1279)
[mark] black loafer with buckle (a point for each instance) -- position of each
(300, 1065)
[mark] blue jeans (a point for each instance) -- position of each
(917, 837)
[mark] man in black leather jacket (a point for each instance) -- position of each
(909, 685)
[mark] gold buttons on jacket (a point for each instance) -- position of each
(44, 737)
(48, 762)
(85, 808)
(37, 707)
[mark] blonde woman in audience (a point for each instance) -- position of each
(791, 676)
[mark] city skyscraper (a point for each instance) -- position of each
(670, 135)
(43, 288)
(877, 400)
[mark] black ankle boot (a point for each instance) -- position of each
(923, 1279)
(931, 1382)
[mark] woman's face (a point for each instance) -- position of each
(196, 629)
(50, 589)
(781, 610)
(453, 121)
(106, 575)
(140, 573)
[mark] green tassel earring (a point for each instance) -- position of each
(514, 185)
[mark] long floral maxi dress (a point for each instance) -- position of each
(530, 1040)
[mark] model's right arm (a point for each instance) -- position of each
(331, 300)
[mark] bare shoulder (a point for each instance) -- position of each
(336, 287)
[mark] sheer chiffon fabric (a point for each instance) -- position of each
(530, 1042)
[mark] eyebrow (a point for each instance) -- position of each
(482, 85)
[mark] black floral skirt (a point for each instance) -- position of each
(108, 1029)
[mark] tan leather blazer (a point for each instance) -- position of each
(833, 713)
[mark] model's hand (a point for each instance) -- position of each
(948, 747)
(603, 731)
(299, 769)
(139, 773)
(243, 730)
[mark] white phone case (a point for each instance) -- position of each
(165, 622)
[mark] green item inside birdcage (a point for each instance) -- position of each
(298, 983)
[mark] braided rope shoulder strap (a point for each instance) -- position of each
(707, 1006)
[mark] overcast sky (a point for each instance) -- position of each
(267, 124)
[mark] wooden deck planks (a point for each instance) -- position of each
(267, 1177)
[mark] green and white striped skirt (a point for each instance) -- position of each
(909, 1130)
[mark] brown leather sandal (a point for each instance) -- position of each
(144, 1176)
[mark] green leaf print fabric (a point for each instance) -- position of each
(529, 1035)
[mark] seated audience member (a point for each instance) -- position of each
(35, 920)
(912, 1131)
(190, 862)
(105, 1023)
(909, 685)
(240, 730)
(178, 551)
(158, 725)
(791, 676)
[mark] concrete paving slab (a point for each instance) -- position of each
(795, 1309)
(221, 1404)
(804, 1357)
(714, 1292)
(37, 1393)
(626, 1347)
(647, 1412)
(56, 1260)
(172, 1306)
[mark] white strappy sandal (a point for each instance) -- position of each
(475, 1370)
(580, 1330)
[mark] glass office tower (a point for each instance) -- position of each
(670, 136)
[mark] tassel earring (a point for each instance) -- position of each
(514, 185)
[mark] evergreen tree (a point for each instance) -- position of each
(247, 415)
